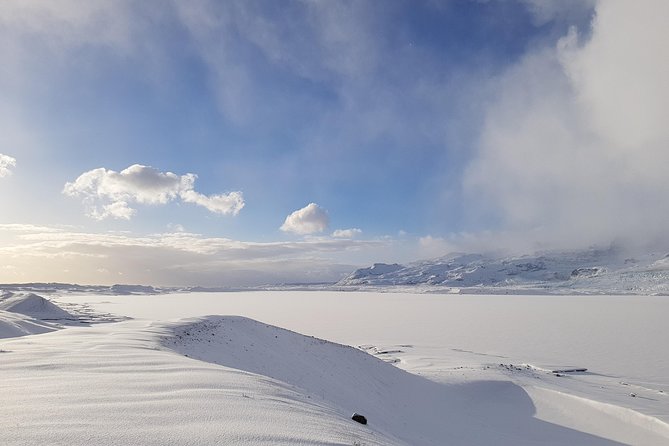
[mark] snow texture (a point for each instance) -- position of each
(235, 380)
(32, 305)
(15, 324)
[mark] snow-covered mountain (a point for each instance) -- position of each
(592, 271)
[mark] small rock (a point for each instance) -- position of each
(359, 418)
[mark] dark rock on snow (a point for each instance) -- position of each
(359, 418)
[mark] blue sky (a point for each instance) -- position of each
(385, 115)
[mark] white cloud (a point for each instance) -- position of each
(308, 220)
(118, 210)
(574, 146)
(55, 30)
(7, 163)
(139, 183)
(230, 203)
(144, 185)
(319, 41)
(347, 233)
(430, 247)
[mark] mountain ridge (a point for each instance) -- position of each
(591, 271)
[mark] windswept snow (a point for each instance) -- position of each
(114, 385)
(396, 403)
(15, 324)
(23, 314)
(430, 370)
(32, 305)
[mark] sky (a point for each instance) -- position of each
(250, 142)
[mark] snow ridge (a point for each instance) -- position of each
(401, 407)
(24, 314)
(32, 305)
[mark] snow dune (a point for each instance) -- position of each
(252, 384)
(13, 325)
(396, 403)
(32, 305)
(113, 385)
(24, 314)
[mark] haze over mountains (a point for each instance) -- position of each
(592, 271)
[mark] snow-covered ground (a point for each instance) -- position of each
(592, 271)
(424, 369)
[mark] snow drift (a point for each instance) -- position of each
(15, 324)
(24, 314)
(399, 405)
(32, 305)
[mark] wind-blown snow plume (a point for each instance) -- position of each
(575, 145)
(144, 185)
(7, 163)
(309, 220)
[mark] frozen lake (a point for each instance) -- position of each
(622, 336)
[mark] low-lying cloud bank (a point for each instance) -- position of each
(575, 144)
(143, 185)
(65, 254)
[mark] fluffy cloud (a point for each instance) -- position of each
(574, 146)
(346, 233)
(309, 220)
(118, 210)
(144, 185)
(230, 203)
(6, 165)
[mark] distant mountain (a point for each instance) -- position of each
(376, 270)
(52, 287)
(592, 271)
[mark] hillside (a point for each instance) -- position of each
(592, 271)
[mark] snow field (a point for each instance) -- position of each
(162, 379)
